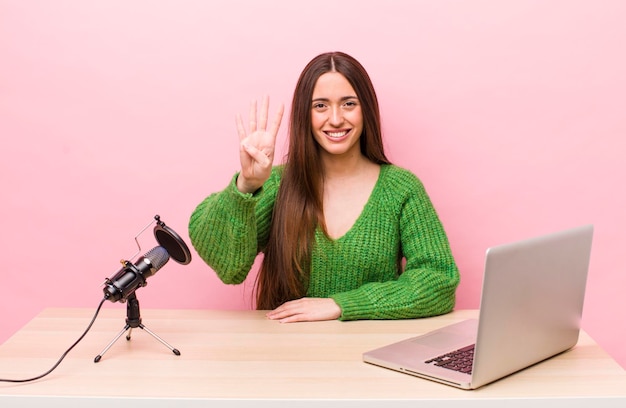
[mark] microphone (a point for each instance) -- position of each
(134, 276)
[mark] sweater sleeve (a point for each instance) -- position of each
(228, 229)
(428, 283)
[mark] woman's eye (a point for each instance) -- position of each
(318, 106)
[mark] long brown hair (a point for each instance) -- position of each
(298, 210)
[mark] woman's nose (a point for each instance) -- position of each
(336, 116)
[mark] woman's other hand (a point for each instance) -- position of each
(306, 310)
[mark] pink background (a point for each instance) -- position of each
(511, 112)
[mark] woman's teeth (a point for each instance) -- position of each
(337, 134)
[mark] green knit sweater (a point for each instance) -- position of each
(395, 262)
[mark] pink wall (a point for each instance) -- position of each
(511, 112)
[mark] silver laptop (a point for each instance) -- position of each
(530, 310)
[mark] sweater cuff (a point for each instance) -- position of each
(351, 308)
(234, 191)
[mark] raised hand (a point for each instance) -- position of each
(256, 147)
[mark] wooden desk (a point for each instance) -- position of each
(239, 358)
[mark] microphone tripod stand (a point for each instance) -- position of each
(133, 320)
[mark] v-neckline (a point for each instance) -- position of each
(362, 214)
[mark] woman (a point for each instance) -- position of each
(345, 234)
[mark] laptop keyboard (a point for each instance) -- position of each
(458, 360)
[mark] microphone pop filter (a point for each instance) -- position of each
(173, 243)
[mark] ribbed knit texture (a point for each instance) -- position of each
(361, 270)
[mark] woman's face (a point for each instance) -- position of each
(336, 117)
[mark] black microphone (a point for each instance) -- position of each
(134, 276)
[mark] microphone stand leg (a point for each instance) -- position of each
(166, 344)
(99, 356)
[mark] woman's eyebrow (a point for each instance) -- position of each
(343, 98)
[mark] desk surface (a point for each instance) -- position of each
(229, 356)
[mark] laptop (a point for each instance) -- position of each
(530, 310)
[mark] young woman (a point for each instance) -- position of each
(344, 233)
